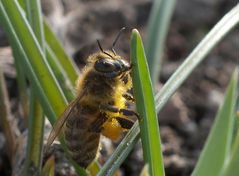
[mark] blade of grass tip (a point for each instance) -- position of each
(159, 20)
(236, 123)
(121, 152)
(143, 93)
(5, 114)
(197, 55)
(35, 135)
(231, 166)
(35, 63)
(218, 144)
(78, 170)
(21, 80)
(36, 118)
(217, 33)
(56, 47)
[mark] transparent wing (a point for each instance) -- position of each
(61, 121)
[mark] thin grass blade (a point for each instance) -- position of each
(36, 67)
(143, 93)
(56, 47)
(215, 35)
(218, 144)
(35, 135)
(60, 74)
(231, 166)
(159, 21)
(36, 118)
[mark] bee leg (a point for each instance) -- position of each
(96, 126)
(126, 112)
(125, 123)
(129, 97)
(125, 78)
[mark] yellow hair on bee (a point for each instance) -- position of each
(112, 129)
(100, 107)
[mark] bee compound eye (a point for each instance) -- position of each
(104, 65)
(124, 64)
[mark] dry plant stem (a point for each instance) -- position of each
(5, 122)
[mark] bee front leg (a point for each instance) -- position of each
(125, 123)
(96, 126)
(129, 97)
(110, 108)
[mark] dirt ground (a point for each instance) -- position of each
(187, 118)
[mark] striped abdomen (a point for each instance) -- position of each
(82, 143)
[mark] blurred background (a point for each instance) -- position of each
(187, 118)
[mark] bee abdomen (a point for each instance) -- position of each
(83, 145)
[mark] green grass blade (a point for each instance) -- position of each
(33, 13)
(231, 166)
(54, 104)
(52, 108)
(36, 118)
(66, 62)
(143, 93)
(198, 54)
(35, 135)
(217, 33)
(60, 74)
(21, 79)
(22, 85)
(159, 20)
(218, 145)
(36, 66)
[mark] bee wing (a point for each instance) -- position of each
(61, 121)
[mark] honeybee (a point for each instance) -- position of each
(100, 106)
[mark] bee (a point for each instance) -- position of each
(99, 108)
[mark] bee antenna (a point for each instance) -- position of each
(116, 39)
(99, 45)
(101, 49)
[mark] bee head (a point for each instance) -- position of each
(111, 68)
(108, 63)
